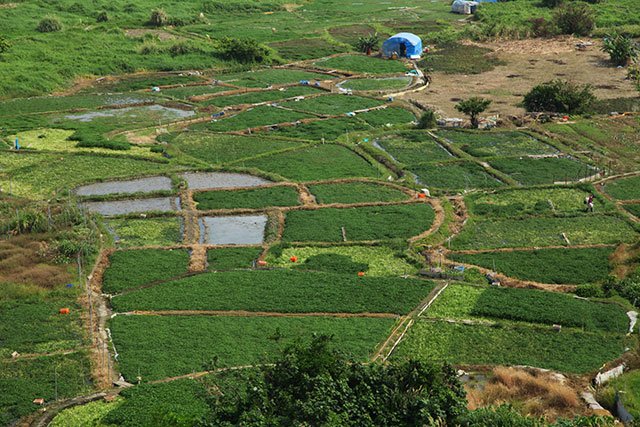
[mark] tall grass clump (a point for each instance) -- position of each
(49, 24)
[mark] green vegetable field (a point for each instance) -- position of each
(355, 192)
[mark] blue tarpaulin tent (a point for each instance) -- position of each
(402, 44)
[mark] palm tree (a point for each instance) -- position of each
(368, 43)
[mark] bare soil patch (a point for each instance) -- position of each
(528, 63)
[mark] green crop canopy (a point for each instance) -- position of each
(402, 45)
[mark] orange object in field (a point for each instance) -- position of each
(262, 263)
(64, 311)
(422, 196)
(294, 258)
(361, 273)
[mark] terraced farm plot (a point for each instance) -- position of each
(387, 116)
(539, 232)
(186, 92)
(333, 104)
(305, 49)
(163, 231)
(414, 147)
(365, 223)
(355, 192)
(521, 202)
(389, 83)
(101, 121)
(362, 64)
(129, 269)
(451, 176)
(165, 346)
(350, 34)
(64, 103)
(255, 117)
(318, 162)
(624, 188)
(528, 305)
(319, 130)
(286, 291)
(230, 258)
(497, 143)
(475, 344)
(130, 84)
(380, 260)
(215, 148)
(247, 199)
(274, 76)
(633, 209)
(261, 96)
(559, 266)
(542, 171)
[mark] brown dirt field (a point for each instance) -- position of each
(528, 63)
(198, 261)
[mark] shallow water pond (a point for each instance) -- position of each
(232, 230)
(162, 113)
(200, 180)
(146, 185)
(120, 207)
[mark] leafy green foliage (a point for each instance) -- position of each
(280, 291)
(624, 188)
(328, 130)
(472, 107)
(368, 43)
(259, 116)
(129, 269)
(87, 138)
(229, 258)
(559, 96)
(333, 104)
(572, 266)
(88, 414)
(487, 144)
(146, 231)
(529, 171)
(621, 49)
(326, 161)
(185, 398)
(427, 120)
(158, 18)
(163, 346)
(247, 199)
(49, 24)
(365, 223)
(356, 192)
(476, 344)
(271, 76)
(333, 263)
(362, 64)
(314, 385)
(62, 103)
(4, 45)
(575, 18)
(261, 96)
(386, 83)
(541, 232)
(456, 58)
(633, 208)
(414, 147)
(387, 116)
(243, 50)
(453, 175)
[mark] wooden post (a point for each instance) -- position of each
(344, 235)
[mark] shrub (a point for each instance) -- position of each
(588, 291)
(574, 18)
(102, 16)
(181, 48)
(473, 107)
(48, 24)
(559, 96)
(368, 43)
(157, 149)
(540, 27)
(4, 45)
(245, 50)
(427, 120)
(148, 48)
(158, 18)
(621, 50)
(88, 139)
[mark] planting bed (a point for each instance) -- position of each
(274, 76)
(531, 306)
(203, 180)
(542, 171)
(521, 202)
(255, 117)
(328, 130)
(138, 185)
(389, 83)
(128, 84)
(180, 344)
(62, 103)
(497, 143)
(261, 96)
(247, 199)
(362, 64)
(379, 260)
(355, 192)
(163, 231)
(120, 207)
(366, 223)
(280, 290)
(230, 258)
(413, 147)
(305, 49)
(388, 116)
(189, 91)
(580, 230)
(567, 266)
(624, 188)
(318, 162)
(132, 115)
(216, 148)
(566, 351)
(332, 104)
(450, 176)
(232, 230)
(129, 269)
(633, 208)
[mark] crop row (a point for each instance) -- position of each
(355, 192)
(248, 199)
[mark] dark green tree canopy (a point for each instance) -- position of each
(473, 107)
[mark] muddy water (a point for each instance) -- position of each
(119, 207)
(199, 180)
(146, 185)
(163, 113)
(233, 230)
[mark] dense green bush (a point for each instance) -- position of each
(243, 50)
(89, 139)
(472, 107)
(621, 49)
(559, 96)
(102, 16)
(427, 120)
(4, 45)
(574, 18)
(335, 263)
(48, 24)
(588, 291)
(158, 18)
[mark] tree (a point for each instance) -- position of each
(4, 45)
(473, 107)
(427, 120)
(559, 96)
(621, 49)
(315, 385)
(368, 43)
(245, 50)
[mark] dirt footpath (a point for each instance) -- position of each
(528, 63)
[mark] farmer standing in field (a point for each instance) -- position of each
(590, 204)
